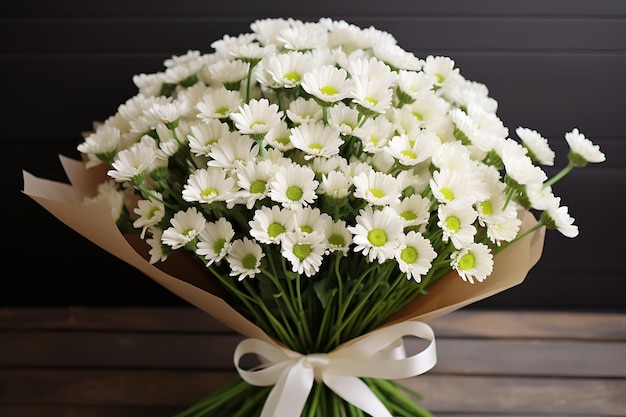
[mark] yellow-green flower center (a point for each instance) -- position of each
(152, 212)
(336, 240)
(408, 215)
(283, 141)
(249, 261)
(275, 229)
(408, 153)
(409, 255)
(485, 207)
(294, 193)
(418, 116)
(371, 100)
(377, 192)
(377, 237)
(447, 193)
(466, 262)
(306, 228)
(208, 192)
(453, 224)
(257, 123)
(302, 250)
(222, 111)
(329, 90)
(258, 187)
(293, 76)
(315, 147)
(219, 245)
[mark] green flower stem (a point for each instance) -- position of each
(395, 398)
(500, 248)
(217, 399)
(311, 406)
(570, 166)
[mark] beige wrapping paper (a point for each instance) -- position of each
(185, 278)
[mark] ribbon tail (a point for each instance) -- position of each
(289, 395)
(357, 393)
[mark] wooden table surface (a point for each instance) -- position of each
(140, 362)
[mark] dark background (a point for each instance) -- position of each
(552, 66)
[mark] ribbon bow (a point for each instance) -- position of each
(378, 354)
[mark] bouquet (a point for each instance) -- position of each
(324, 192)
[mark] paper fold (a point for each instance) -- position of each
(188, 280)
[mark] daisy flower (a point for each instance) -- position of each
(377, 188)
(285, 70)
(293, 186)
(309, 220)
(231, 150)
(303, 36)
(582, 150)
(256, 117)
(278, 137)
(372, 96)
(251, 52)
(414, 149)
(335, 184)
(110, 192)
(244, 257)
(557, 217)
(316, 139)
(132, 164)
(304, 251)
(208, 185)
(150, 212)
(473, 262)
(253, 178)
(414, 210)
(303, 110)
(218, 103)
(338, 237)
(375, 133)
(268, 225)
(377, 233)
(396, 57)
(229, 73)
(328, 84)
(452, 187)
(215, 240)
(457, 225)
(442, 69)
(186, 225)
(412, 85)
(101, 146)
(158, 252)
(414, 255)
(204, 136)
(343, 118)
(538, 147)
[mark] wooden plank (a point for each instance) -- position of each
(478, 395)
(470, 34)
(214, 351)
(471, 323)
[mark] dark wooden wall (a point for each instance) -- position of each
(552, 65)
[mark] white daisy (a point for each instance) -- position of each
(335, 185)
(150, 212)
(256, 117)
(218, 103)
(305, 251)
(268, 225)
(278, 137)
(253, 178)
(322, 165)
(316, 139)
(414, 255)
(167, 113)
(208, 185)
(414, 210)
(309, 220)
(186, 225)
(244, 258)
(538, 147)
(215, 240)
(231, 150)
(452, 187)
(375, 133)
(204, 136)
(412, 85)
(443, 70)
(285, 70)
(396, 57)
(293, 186)
(303, 110)
(414, 148)
(101, 145)
(132, 164)
(110, 192)
(267, 30)
(251, 52)
(327, 83)
(338, 237)
(372, 96)
(229, 73)
(377, 233)
(521, 169)
(377, 188)
(343, 118)
(473, 262)
(582, 150)
(158, 252)
(557, 217)
(457, 225)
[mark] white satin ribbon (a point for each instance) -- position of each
(378, 354)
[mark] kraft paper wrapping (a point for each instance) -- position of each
(186, 278)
